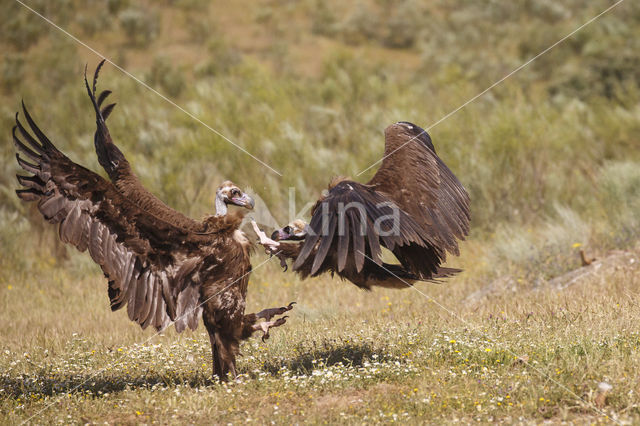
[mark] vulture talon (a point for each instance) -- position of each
(150, 253)
(414, 206)
(266, 325)
(267, 314)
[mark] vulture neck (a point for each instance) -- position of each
(221, 206)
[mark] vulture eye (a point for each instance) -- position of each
(288, 230)
(235, 193)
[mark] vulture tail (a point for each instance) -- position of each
(396, 276)
(109, 156)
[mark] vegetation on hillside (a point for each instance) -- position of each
(550, 158)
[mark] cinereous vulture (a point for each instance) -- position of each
(414, 206)
(164, 266)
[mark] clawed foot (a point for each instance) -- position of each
(283, 261)
(268, 243)
(266, 325)
(267, 314)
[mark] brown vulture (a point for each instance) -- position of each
(164, 266)
(414, 206)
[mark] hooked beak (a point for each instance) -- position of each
(279, 234)
(288, 233)
(244, 201)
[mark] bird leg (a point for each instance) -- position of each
(266, 325)
(271, 246)
(267, 242)
(267, 314)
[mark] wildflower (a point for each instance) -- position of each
(487, 350)
(576, 245)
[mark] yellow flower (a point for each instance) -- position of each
(576, 245)
(452, 341)
(139, 413)
(488, 350)
(542, 398)
(9, 287)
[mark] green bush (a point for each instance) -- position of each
(164, 75)
(140, 26)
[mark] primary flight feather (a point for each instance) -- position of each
(162, 265)
(414, 206)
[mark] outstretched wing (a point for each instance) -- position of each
(118, 168)
(152, 266)
(352, 223)
(419, 182)
(413, 206)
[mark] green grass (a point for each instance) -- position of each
(550, 158)
(344, 355)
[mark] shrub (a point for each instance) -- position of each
(141, 27)
(12, 71)
(166, 76)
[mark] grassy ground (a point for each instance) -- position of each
(550, 158)
(429, 354)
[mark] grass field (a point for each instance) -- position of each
(550, 157)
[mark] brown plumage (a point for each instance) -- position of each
(414, 206)
(163, 266)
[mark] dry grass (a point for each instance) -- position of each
(345, 355)
(549, 157)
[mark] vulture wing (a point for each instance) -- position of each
(419, 182)
(152, 266)
(118, 168)
(413, 206)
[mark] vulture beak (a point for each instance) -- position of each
(280, 234)
(289, 233)
(244, 201)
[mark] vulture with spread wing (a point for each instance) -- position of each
(162, 265)
(413, 206)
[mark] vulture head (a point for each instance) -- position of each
(295, 231)
(229, 193)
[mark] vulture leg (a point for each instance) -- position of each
(267, 314)
(271, 246)
(215, 349)
(266, 325)
(267, 242)
(227, 353)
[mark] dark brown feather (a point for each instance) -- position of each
(164, 268)
(432, 212)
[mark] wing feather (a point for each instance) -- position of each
(414, 206)
(418, 181)
(326, 242)
(136, 251)
(119, 170)
(343, 242)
